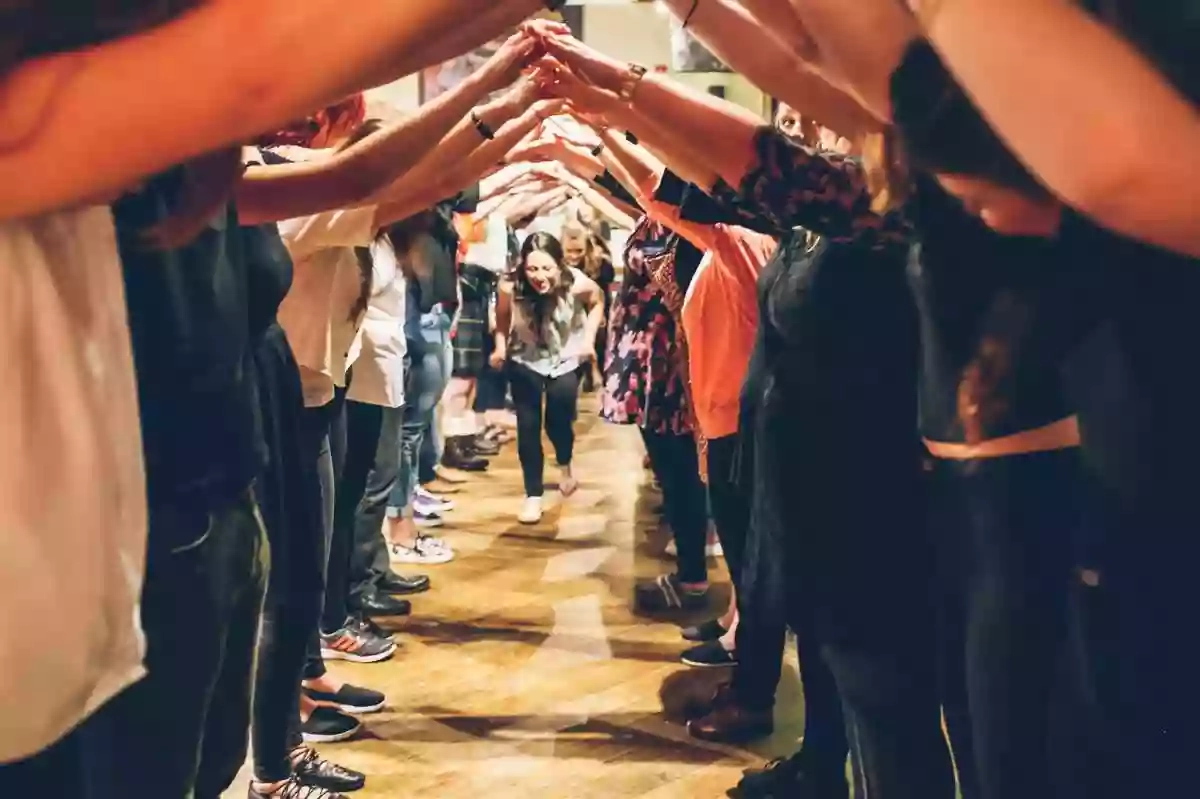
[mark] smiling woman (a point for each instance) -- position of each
(546, 324)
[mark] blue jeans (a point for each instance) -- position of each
(427, 378)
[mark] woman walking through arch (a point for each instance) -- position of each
(546, 322)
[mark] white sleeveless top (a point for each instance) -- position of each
(72, 488)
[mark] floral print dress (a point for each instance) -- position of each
(645, 370)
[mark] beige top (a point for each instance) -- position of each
(315, 314)
(72, 488)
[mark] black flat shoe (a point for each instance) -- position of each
(393, 583)
(708, 631)
(385, 605)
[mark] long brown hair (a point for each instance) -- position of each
(365, 264)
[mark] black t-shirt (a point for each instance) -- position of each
(1136, 382)
(189, 322)
(268, 274)
(1000, 316)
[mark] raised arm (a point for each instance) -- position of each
(1096, 121)
(858, 45)
(92, 122)
(766, 42)
(790, 184)
(600, 108)
(354, 176)
(592, 295)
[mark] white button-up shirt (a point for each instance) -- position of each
(326, 284)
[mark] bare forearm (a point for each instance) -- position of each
(490, 152)
(630, 212)
(1074, 107)
(774, 57)
(727, 129)
(378, 160)
(503, 319)
(243, 78)
(601, 204)
(858, 46)
(671, 148)
(595, 315)
(471, 27)
(639, 165)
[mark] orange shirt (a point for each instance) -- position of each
(720, 311)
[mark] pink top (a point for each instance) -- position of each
(720, 311)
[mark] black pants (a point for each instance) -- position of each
(839, 549)
(729, 502)
(561, 395)
(1006, 528)
(685, 503)
(289, 494)
(324, 441)
(363, 428)
(372, 454)
(182, 730)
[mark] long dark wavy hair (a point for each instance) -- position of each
(539, 306)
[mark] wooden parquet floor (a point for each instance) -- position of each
(523, 673)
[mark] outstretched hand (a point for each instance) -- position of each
(507, 63)
(555, 78)
(590, 64)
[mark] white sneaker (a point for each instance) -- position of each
(429, 502)
(531, 511)
(427, 551)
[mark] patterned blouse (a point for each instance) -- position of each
(644, 372)
(793, 186)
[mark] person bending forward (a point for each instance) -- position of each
(546, 321)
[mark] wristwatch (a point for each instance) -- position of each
(629, 83)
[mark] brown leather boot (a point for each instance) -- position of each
(730, 722)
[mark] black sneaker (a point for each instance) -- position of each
(786, 778)
(312, 769)
(708, 631)
(350, 699)
(666, 593)
(326, 726)
(295, 789)
(709, 655)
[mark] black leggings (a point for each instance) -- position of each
(562, 394)
(290, 499)
(676, 464)
(729, 502)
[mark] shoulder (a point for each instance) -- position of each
(581, 284)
